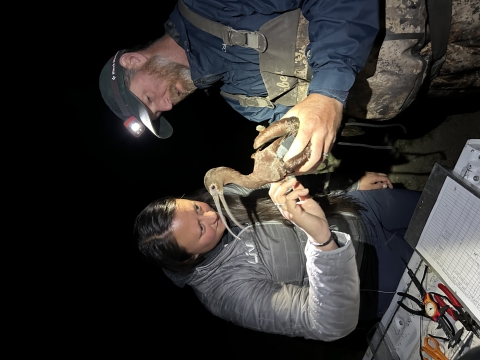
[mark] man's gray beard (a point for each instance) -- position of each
(171, 72)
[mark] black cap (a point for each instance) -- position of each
(124, 103)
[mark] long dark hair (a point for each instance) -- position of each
(154, 236)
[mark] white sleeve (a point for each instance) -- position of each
(334, 300)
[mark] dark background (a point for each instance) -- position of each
(121, 305)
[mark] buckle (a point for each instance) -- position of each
(256, 101)
(249, 39)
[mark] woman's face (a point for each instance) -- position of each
(196, 226)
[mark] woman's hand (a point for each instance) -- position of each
(374, 180)
(298, 207)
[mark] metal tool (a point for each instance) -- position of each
(450, 311)
(464, 317)
(430, 309)
(432, 348)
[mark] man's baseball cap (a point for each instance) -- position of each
(124, 103)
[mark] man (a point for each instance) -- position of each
(150, 81)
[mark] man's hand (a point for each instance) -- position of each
(320, 117)
(374, 180)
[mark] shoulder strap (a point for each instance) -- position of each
(244, 38)
(439, 19)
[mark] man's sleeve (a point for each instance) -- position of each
(341, 36)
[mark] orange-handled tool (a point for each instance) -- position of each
(432, 348)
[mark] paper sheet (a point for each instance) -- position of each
(450, 242)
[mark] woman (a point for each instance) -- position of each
(297, 268)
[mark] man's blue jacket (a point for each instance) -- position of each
(341, 34)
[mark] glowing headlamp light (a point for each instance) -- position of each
(134, 126)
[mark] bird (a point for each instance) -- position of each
(271, 144)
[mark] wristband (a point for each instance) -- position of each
(333, 237)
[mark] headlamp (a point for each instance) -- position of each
(134, 126)
(125, 104)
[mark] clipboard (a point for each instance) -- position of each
(445, 232)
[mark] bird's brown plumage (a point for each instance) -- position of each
(268, 166)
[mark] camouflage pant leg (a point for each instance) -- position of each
(394, 70)
(397, 69)
(460, 72)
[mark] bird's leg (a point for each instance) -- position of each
(277, 129)
(298, 160)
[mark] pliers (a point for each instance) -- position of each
(430, 309)
(459, 313)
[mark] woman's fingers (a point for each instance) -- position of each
(293, 196)
(287, 195)
(293, 201)
(273, 188)
(278, 193)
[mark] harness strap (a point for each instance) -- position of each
(244, 38)
(404, 36)
(440, 19)
(246, 101)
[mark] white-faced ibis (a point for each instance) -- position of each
(268, 167)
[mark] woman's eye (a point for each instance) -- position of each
(196, 207)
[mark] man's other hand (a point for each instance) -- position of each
(320, 117)
(374, 180)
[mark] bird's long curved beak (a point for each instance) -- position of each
(217, 198)
(224, 203)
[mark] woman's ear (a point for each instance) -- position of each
(132, 60)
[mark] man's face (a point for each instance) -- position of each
(161, 83)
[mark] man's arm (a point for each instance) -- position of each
(341, 35)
